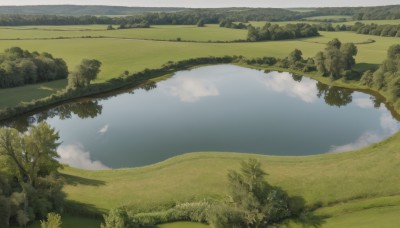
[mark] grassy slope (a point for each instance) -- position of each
(135, 55)
(322, 179)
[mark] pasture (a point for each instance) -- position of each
(343, 184)
(357, 189)
(136, 54)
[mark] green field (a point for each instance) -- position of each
(345, 184)
(166, 32)
(355, 189)
(118, 55)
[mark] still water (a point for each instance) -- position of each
(216, 108)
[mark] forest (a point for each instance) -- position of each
(12, 16)
(20, 67)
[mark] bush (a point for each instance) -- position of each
(53, 221)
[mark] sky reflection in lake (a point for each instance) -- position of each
(216, 108)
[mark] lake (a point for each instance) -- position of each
(215, 108)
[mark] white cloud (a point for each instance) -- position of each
(389, 126)
(191, 89)
(388, 123)
(363, 103)
(283, 82)
(75, 156)
(104, 129)
(364, 140)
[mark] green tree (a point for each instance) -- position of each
(116, 218)
(334, 62)
(335, 43)
(255, 202)
(53, 221)
(349, 50)
(29, 155)
(252, 33)
(319, 60)
(84, 73)
(200, 23)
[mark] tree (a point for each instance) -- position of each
(320, 62)
(53, 221)
(255, 202)
(30, 152)
(84, 73)
(117, 218)
(335, 43)
(200, 23)
(29, 155)
(337, 59)
(334, 62)
(349, 50)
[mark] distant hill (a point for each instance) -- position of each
(75, 10)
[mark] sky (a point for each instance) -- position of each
(209, 3)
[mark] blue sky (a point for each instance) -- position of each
(209, 3)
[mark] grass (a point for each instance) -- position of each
(118, 55)
(322, 179)
(166, 32)
(73, 221)
(13, 96)
(330, 17)
(352, 187)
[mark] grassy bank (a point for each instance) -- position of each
(323, 180)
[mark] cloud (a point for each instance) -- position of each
(389, 126)
(283, 82)
(191, 89)
(388, 123)
(75, 156)
(104, 129)
(363, 102)
(364, 140)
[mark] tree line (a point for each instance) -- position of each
(20, 67)
(276, 32)
(176, 16)
(184, 17)
(386, 78)
(376, 30)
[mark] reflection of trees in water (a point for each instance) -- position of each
(82, 109)
(334, 96)
(85, 109)
(148, 86)
(297, 77)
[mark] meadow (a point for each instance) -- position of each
(357, 189)
(349, 187)
(137, 53)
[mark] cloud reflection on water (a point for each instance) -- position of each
(389, 127)
(191, 88)
(104, 129)
(75, 156)
(283, 82)
(363, 102)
